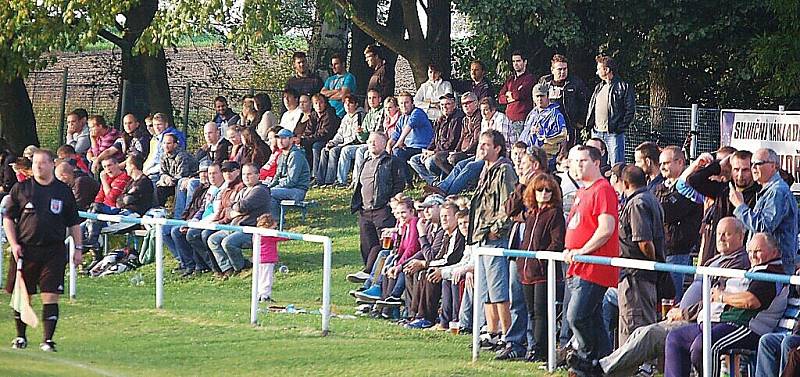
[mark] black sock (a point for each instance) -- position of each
(21, 326)
(50, 317)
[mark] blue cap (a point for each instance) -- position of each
(285, 133)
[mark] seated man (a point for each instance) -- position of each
(175, 236)
(413, 133)
(347, 135)
(137, 196)
(293, 176)
(161, 127)
(216, 149)
(742, 311)
(84, 187)
(102, 137)
(78, 130)
(774, 352)
(647, 343)
(67, 153)
(253, 201)
(463, 177)
(447, 133)
(113, 182)
(219, 176)
(176, 163)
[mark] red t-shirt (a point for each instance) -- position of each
(591, 202)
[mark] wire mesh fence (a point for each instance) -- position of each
(673, 126)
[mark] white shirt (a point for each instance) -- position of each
(427, 97)
(290, 118)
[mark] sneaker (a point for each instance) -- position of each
(535, 357)
(363, 309)
(19, 343)
(583, 366)
(187, 273)
(373, 293)
(48, 346)
(266, 299)
(358, 277)
(353, 292)
(509, 353)
(390, 301)
(646, 370)
(420, 323)
(488, 341)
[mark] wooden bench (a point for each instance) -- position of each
(302, 205)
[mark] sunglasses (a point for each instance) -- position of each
(544, 189)
(466, 102)
(757, 163)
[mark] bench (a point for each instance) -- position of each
(303, 205)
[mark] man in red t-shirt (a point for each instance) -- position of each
(592, 229)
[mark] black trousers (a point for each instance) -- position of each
(536, 302)
(370, 223)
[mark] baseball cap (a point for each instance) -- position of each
(203, 166)
(229, 166)
(447, 96)
(285, 133)
(541, 89)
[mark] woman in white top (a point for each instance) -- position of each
(267, 120)
(293, 112)
(427, 97)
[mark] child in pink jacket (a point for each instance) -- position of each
(269, 256)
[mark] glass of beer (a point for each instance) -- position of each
(454, 326)
(666, 306)
(387, 238)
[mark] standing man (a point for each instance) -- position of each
(516, 93)
(382, 79)
(611, 109)
(592, 229)
(775, 211)
(478, 84)
(490, 225)
(682, 216)
(338, 85)
(303, 81)
(545, 126)
(646, 156)
(571, 95)
(381, 178)
(641, 236)
(35, 220)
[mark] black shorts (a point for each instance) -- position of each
(47, 276)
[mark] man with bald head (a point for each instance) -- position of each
(216, 149)
(83, 186)
(775, 211)
(647, 343)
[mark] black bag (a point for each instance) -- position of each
(665, 288)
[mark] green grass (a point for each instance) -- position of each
(112, 329)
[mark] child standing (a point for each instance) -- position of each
(269, 256)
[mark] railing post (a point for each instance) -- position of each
(477, 275)
(781, 108)
(159, 265)
(693, 130)
(73, 273)
(706, 313)
(256, 269)
(551, 316)
(2, 249)
(326, 285)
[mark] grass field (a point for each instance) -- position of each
(112, 329)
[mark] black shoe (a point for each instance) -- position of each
(509, 353)
(19, 343)
(187, 273)
(390, 301)
(535, 357)
(48, 346)
(583, 366)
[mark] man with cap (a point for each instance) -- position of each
(447, 133)
(222, 214)
(175, 236)
(545, 126)
(293, 177)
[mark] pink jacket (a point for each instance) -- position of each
(409, 241)
(269, 248)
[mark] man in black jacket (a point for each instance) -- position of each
(381, 178)
(611, 109)
(446, 135)
(571, 95)
(681, 215)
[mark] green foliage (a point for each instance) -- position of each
(776, 55)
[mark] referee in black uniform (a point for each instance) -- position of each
(37, 214)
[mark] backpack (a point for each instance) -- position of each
(147, 252)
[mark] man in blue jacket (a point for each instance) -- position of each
(545, 126)
(293, 176)
(413, 132)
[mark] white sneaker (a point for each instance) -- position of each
(19, 343)
(48, 346)
(358, 277)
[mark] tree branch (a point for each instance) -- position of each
(113, 38)
(381, 34)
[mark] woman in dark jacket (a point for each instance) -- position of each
(545, 229)
(256, 151)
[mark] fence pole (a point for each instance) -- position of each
(254, 284)
(73, 273)
(476, 306)
(2, 249)
(124, 105)
(781, 108)
(187, 95)
(551, 316)
(159, 266)
(693, 130)
(327, 256)
(706, 313)
(62, 137)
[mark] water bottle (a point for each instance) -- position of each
(290, 309)
(724, 370)
(283, 269)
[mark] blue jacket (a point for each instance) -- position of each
(549, 121)
(775, 212)
(293, 171)
(421, 129)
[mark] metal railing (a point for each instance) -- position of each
(706, 273)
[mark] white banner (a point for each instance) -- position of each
(750, 130)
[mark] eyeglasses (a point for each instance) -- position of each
(758, 163)
(466, 103)
(544, 189)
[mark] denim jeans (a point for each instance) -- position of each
(585, 316)
(615, 144)
(425, 168)
(376, 274)
(677, 278)
(283, 193)
(227, 248)
(346, 158)
(177, 245)
(198, 239)
(405, 154)
(518, 334)
(611, 314)
(184, 197)
(328, 161)
(465, 316)
(91, 228)
(772, 350)
(464, 172)
(361, 156)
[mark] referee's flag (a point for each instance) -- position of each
(20, 300)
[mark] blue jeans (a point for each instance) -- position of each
(464, 172)
(465, 316)
(361, 156)
(677, 278)
(518, 334)
(184, 197)
(425, 168)
(585, 316)
(772, 350)
(198, 239)
(615, 144)
(376, 274)
(328, 161)
(405, 154)
(316, 150)
(611, 313)
(227, 248)
(346, 158)
(177, 245)
(283, 193)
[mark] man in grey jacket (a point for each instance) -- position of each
(175, 164)
(293, 177)
(254, 200)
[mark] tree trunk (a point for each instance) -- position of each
(659, 91)
(17, 121)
